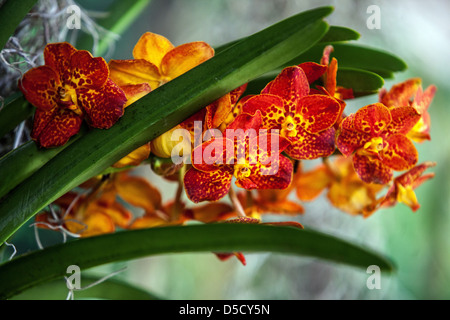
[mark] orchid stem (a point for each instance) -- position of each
(236, 204)
(177, 202)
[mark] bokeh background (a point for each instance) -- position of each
(418, 243)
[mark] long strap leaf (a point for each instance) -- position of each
(41, 266)
(11, 13)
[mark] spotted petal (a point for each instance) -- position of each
(423, 99)
(103, 107)
(402, 189)
(271, 107)
(400, 94)
(414, 177)
(276, 175)
(372, 119)
(236, 94)
(291, 85)
(213, 154)
(54, 128)
(313, 70)
(348, 139)
(57, 56)
(87, 71)
(400, 153)
(318, 112)
(39, 86)
(371, 170)
(312, 146)
(403, 120)
(207, 186)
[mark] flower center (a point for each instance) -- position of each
(242, 171)
(62, 93)
(68, 99)
(374, 146)
(288, 127)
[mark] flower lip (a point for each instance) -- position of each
(290, 126)
(62, 92)
(242, 171)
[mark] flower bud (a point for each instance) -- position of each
(174, 143)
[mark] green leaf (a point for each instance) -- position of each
(15, 110)
(110, 289)
(339, 34)
(355, 56)
(22, 162)
(160, 111)
(255, 86)
(334, 34)
(35, 268)
(12, 13)
(121, 15)
(362, 82)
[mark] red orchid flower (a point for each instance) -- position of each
(215, 114)
(70, 87)
(253, 161)
(376, 136)
(345, 190)
(305, 120)
(410, 93)
(403, 188)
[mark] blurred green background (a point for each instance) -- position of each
(418, 243)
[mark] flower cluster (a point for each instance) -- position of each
(260, 141)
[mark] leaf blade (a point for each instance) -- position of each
(361, 81)
(11, 13)
(32, 269)
(355, 56)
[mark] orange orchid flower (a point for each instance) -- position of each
(410, 93)
(403, 187)
(329, 77)
(210, 178)
(376, 137)
(98, 210)
(135, 157)
(71, 87)
(87, 216)
(276, 201)
(157, 61)
(215, 115)
(345, 190)
(305, 120)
